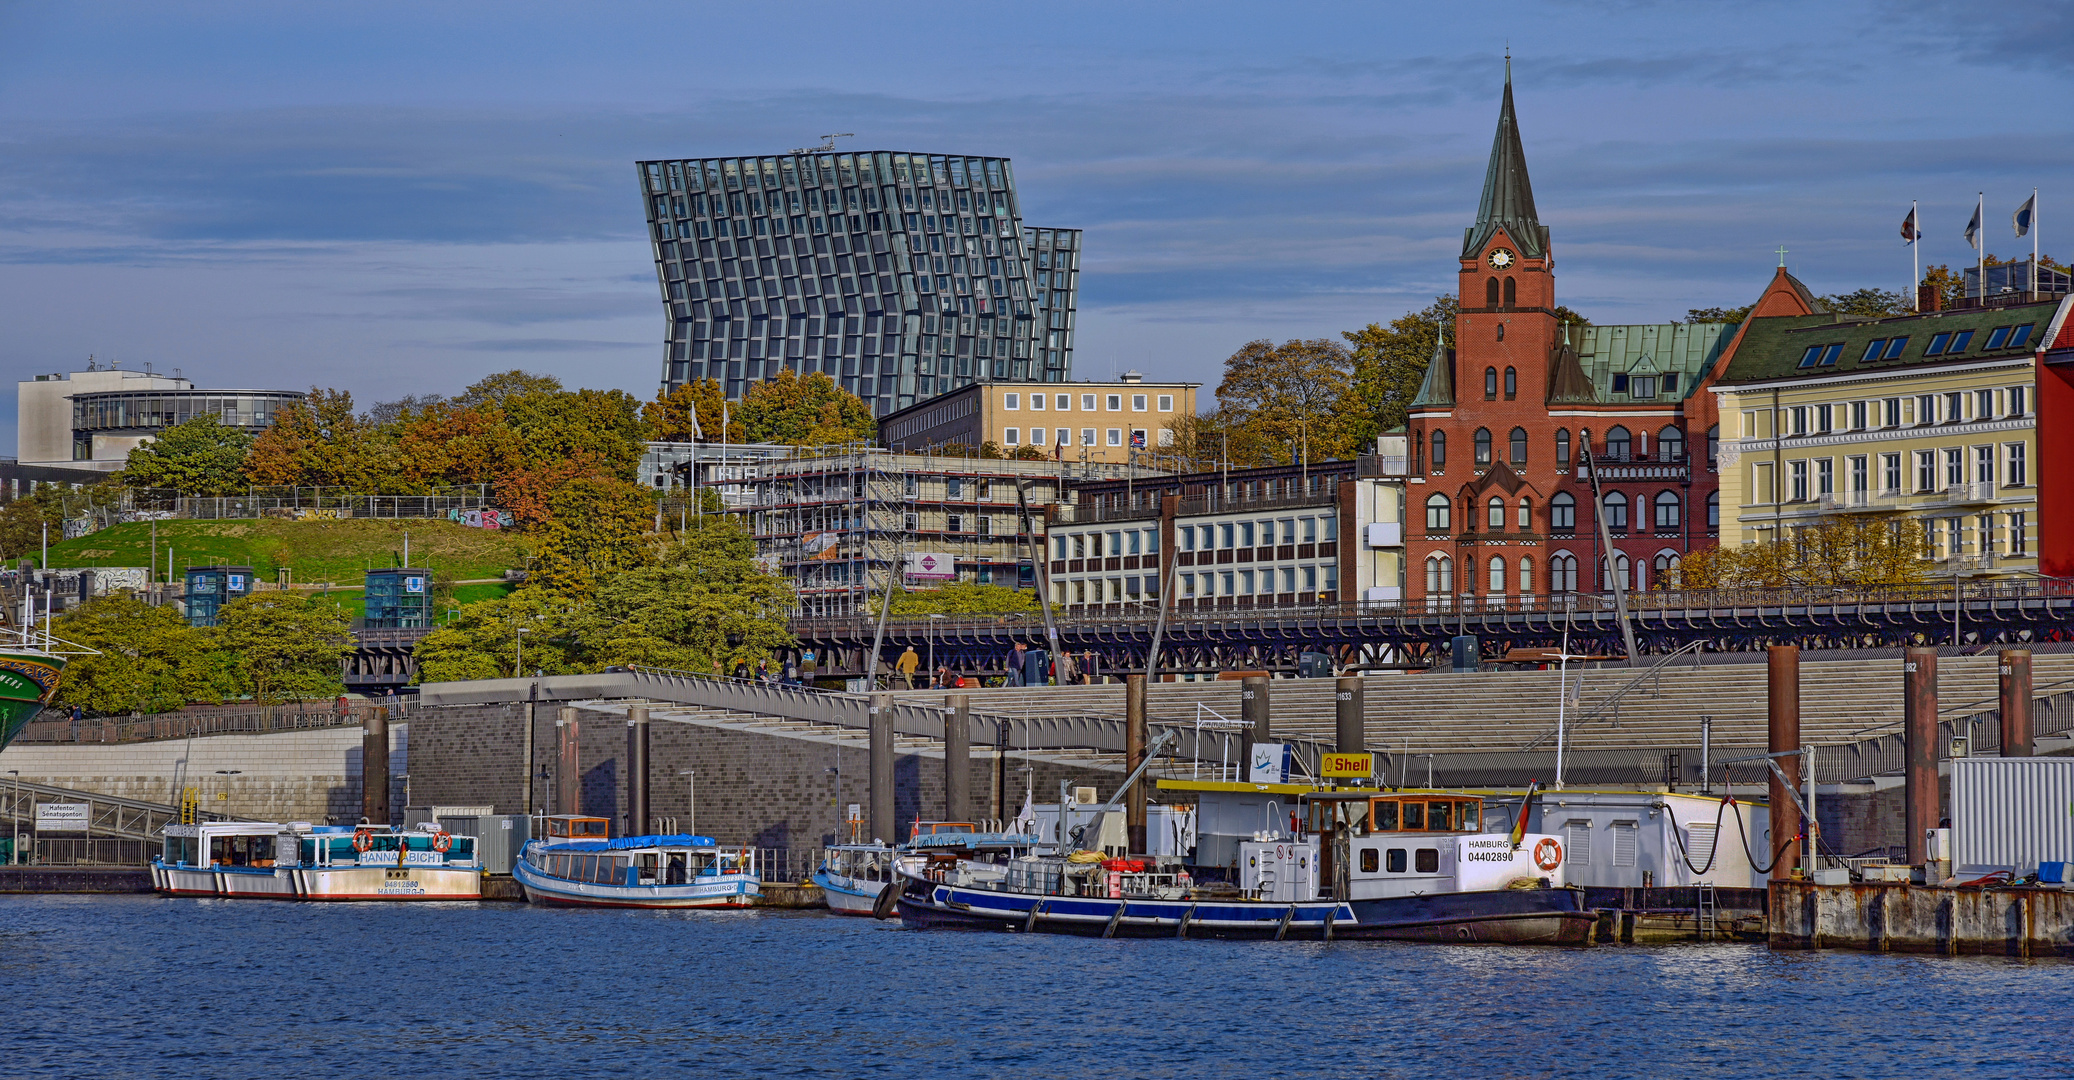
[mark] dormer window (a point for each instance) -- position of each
(1642, 386)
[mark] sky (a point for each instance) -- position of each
(398, 199)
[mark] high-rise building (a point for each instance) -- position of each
(900, 275)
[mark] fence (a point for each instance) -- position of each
(87, 513)
(120, 729)
(97, 851)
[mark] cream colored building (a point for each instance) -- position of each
(1928, 419)
(1079, 421)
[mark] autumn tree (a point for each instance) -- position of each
(320, 441)
(803, 411)
(1844, 551)
(203, 456)
(1389, 364)
(1277, 402)
(594, 527)
(689, 412)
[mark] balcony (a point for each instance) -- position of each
(1086, 513)
(1674, 467)
(1969, 565)
(1862, 502)
(1974, 494)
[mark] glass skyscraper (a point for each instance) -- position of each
(901, 276)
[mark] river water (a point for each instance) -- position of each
(144, 986)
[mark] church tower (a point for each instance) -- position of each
(1508, 321)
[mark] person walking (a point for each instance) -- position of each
(1090, 667)
(906, 667)
(1015, 664)
(1068, 669)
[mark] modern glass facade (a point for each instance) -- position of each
(399, 599)
(143, 412)
(901, 276)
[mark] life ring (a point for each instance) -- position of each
(363, 839)
(442, 842)
(1548, 854)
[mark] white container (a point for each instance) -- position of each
(2010, 813)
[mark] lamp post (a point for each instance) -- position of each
(518, 667)
(933, 616)
(223, 788)
(14, 816)
(691, 816)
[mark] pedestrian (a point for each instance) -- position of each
(906, 667)
(1090, 667)
(1069, 669)
(1015, 664)
(791, 676)
(806, 665)
(742, 669)
(944, 679)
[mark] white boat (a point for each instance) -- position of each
(853, 876)
(300, 861)
(577, 864)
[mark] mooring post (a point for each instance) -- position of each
(568, 780)
(1349, 699)
(1919, 721)
(374, 766)
(2016, 702)
(1133, 756)
(637, 771)
(882, 768)
(1782, 712)
(957, 757)
(1253, 709)
(526, 749)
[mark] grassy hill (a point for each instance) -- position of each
(315, 551)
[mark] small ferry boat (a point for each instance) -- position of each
(300, 861)
(1362, 864)
(854, 877)
(578, 863)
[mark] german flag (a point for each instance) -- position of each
(1526, 807)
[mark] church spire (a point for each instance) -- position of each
(1508, 196)
(1438, 388)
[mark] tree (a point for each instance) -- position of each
(1389, 365)
(148, 661)
(961, 598)
(286, 647)
(809, 411)
(22, 524)
(203, 456)
(594, 527)
(689, 412)
(1279, 401)
(500, 389)
(482, 641)
(1719, 314)
(320, 441)
(1027, 452)
(1856, 551)
(702, 605)
(1870, 302)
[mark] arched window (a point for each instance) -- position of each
(1490, 384)
(1713, 510)
(1562, 572)
(1562, 448)
(1497, 572)
(1437, 513)
(1490, 293)
(1526, 576)
(1519, 442)
(1616, 511)
(1562, 513)
(1418, 451)
(1620, 573)
(1713, 444)
(1440, 575)
(1511, 383)
(1617, 444)
(1666, 567)
(1670, 444)
(1511, 292)
(1526, 514)
(1501, 331)
(1669, 511)
(1494, 514)
(1483, 446)
(1439, 450)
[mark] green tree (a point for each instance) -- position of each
(594, 528)
(1389, 364)
(22, 524)
(809, 411)
(148, 660)
(690, 412)
(483, 641)
(961, 598)
(1871, 302)
(703, 605)
(287, 647)
(1718, 314)
(203, 456)
(500, 389)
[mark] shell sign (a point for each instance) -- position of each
(1347, 766)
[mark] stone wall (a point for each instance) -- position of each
(752, 788)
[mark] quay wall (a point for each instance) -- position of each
(285, 776)
(1922, 919)
(751, 788)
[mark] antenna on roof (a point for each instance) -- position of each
(827, 143)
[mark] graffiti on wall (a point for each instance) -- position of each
(483, 519)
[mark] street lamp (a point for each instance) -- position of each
(223, 790)
(932, 643)
(691, 818)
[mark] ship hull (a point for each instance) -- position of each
(847, 896)
(724, 891)
(28, 679)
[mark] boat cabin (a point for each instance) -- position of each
(933, 828)
(1364, 813)
(572, 828)
(226, 843)
(639, 860)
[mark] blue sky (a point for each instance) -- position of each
(401, 198)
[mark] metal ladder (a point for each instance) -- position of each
(1709, 912)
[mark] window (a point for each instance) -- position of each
(1519, 446)
(1562, 573)
(1562, 512)
(1825, 476)
(1890, 474)
(1490, 292)
(1511, 384)
(1799, 471)
(1087, 436)
(1825, 419)
(1926, 470)
(1440, 575)
(1890, 412)
(1984, 465)
(1859, 474)
(1954, 466)
(1857, 416)
(1166, 403)
(1983, 404)
(2019, 400)
(1494, 514)
(1426, 860)
(1959, 342)
(1562, 448)
(2019, 544)
(1511, 292)
(1670, 444)
(1396, 857)
(1137, 403)
(1087, 403)
(1063, 402)
(1669, 511)
(1037, 403)
(1872, 351)
(1526, 576)
(1227, 532)
(1439, 450)
(1436, 514)
(1497, 575)
(1036, 433)
(1483, 446)
(1937, 343)
(1997, 336)
(1012, 401)
(1012, 436)
(1620, 382)
(1526, 513)
(1490, 384)
(1713, 510)
(1617, 443)
(1616, 512)
(1811, 357)
(1116, 436)
(954, 523)
(1926, 408)
(1115, 402)
(1713, 445)
(1368, 860)
(2021, 335)
(1642, 386)
(2014, 473)
(1065, 436)
(1799, 426)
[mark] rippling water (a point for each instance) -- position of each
(142, 986)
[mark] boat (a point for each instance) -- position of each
(300, 861)
(577, 863)
(854, 876)
(29, 674)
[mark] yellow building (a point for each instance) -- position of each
(1927, 418)
(1078, 421)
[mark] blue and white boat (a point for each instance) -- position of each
(576, 865)
(300, 861)
(854, 877)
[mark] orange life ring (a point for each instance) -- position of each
(1548, 854)
(442, 841)
(363, 839)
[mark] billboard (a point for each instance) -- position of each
(821, 545)
(930, 566)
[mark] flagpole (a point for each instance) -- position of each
(2034, 243)
(1980, 244)
(1915, 247)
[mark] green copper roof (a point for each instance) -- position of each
(1776, 348)
(1438, 388)
(1508, 196)
(1688, 350)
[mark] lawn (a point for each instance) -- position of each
(339, 552)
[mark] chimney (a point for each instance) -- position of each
(1929, 297)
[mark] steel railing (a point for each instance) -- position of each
(115, 729)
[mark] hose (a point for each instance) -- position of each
(1713, 855)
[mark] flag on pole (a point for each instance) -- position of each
(1973, 226)
(1908, 226)
(2022, 218)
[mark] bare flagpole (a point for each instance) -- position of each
(2034, 243)
(1915, 285)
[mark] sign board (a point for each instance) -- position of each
(61, 817)
(1269, 764)
(856, 812)
(930, 566)
(1347, 766)
(414, 583)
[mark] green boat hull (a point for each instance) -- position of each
(28, 679)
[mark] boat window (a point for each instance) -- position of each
(676, 868)
(1414, 815)
(1397, 860)
(1440, 816)
(1386, 817)
(1472, 817)
(1429, 860)
(1368, 860)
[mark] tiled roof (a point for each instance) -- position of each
(1776, 348)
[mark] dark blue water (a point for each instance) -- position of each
(141, 986)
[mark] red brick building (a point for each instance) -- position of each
(1499, 504)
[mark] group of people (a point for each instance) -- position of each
(1024, 666)
(789, 672)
